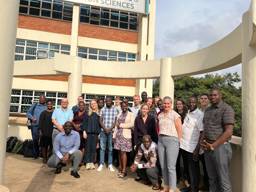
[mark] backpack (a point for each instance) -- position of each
(18, 147)
(27, 148)
(11, 141)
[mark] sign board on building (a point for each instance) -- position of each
(138, 6)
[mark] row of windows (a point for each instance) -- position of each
(58, 9)
(105, 55)
(21, 100)
(28, 50)
(109, 18)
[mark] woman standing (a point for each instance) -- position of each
(123, 137)
(170, 133)
(78, 119)
(182, 110)
(91, 130)
(144, 124)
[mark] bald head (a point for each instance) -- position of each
(64, 103)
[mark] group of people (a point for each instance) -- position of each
(157, 134)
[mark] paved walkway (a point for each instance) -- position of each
(28, 175)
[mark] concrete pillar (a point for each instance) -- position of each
(146, 46)
(166, 80)
(75, 77)
(248, 108)
(8, 20)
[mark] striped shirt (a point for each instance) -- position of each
(215, 118)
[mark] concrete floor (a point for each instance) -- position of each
(28, 175)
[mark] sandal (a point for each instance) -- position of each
(122, 175)
(156, 187)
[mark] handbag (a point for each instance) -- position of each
(29, 121)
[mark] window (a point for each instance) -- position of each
(28, 50)
(21, 100)
(105, 55)
(56, 9)
(108, 17)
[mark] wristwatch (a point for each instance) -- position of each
(211, 148)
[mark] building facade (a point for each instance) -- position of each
(46, 27)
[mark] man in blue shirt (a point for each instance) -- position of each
(33, 115)
(66, 150)
(60, 116)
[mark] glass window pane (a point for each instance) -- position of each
(19, 49)
(39, 93)
(131, 57)
(114, 24)
(16, 92)
(114, 15)
(123, 25)
(31, 43)
(15, 99)
(65, 47)
(62, 95)
(14, 109)
(20, 42)
(124, 17)
(51, 94)
(112, 56)
(25, 108)
(23, 10)
(27, 92)
(54, 46)
(46, 5)
(35, 3)
(30, 57)
(83, 55)
(33, 11)
(95, 22)
(57, 15)
(43, 45)
(105, 14)
(82, 49)
(57, 6)
(31, 51)
(84, 19)
(93, 51)
(85, 10)
(104, 22)
(23, 2)
(18, 57)
(45, 13)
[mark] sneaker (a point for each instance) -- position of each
(92, 166)
(110, 167)
(100, 168)
(87, 167)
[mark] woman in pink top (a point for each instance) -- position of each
(170, 132)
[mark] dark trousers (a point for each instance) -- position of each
(149, 174)
(182, 173)
(90, 148)
(206, 178)
(217, 164)
(193, 170)
(35, 138)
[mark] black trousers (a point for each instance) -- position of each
(149, 174)
(193, 170)
(90, 148)
(206, 178)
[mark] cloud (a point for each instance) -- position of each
(196, 25)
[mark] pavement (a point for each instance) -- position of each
(29, 175)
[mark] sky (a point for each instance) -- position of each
(183, 26)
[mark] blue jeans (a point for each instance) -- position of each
(168, 150)
(106, 141)
(35, 138)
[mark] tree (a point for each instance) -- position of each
(228, 84)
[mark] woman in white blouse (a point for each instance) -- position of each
(170, 133)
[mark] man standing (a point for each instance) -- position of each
(218, 128)
(60, 116)
(75, 108)
(144, 97)
(136, 105)
(66, 150)
(192, 129)
(204, 101)
(33, 115)
(108, 117)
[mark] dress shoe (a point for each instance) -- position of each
(75, 174)
(58, 169)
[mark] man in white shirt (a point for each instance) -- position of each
(136, 106)
(191, 131)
